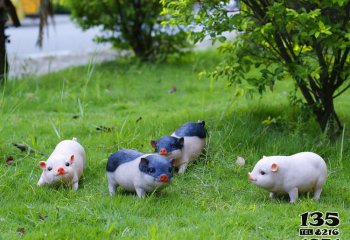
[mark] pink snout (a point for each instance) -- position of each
(250, 177)
(163, 151)
(60, 171)
(164, 178)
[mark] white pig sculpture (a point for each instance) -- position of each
(301, 172)
(65, 165)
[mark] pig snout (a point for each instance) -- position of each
(163, 151)
(250, 177)
(164, 178)
(60, 171)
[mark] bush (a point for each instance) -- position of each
(307, 41)
(132, 24)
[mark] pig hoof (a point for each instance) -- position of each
(317, 194)
(75, 185)
(140, 192)
(182, 168)
(39, 184)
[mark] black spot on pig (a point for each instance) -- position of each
(120, 157)
(192, 129)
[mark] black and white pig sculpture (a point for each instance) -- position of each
(301, 172)
(65, 165)
(184, 145)
(138, 172)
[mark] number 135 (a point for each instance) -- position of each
(318, 219)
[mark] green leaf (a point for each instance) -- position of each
(222, 39)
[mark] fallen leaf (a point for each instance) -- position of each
(172, 90)
(104, 129)
(139, 119)
(41, 216)
(21, 231)
(9, 160)
(21, 147)
(26, 148)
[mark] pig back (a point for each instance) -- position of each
(303, 169)
(309, 160)
(191, 129)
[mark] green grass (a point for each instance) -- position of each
(212, 200)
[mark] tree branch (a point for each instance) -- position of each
(12, 12)
(256, 8)
(321, 61)
(284, 54)
(306, 93)
(339, 68)
(342, 91)
(315, 89)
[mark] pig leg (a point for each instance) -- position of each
(75, 183)
(111, 188)
(317, 193)
(318, 189)
(272, 195)
(183, 168)
(293, 195)
(41, 181)
(140, 192)
(184, 160)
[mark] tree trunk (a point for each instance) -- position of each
(328, 119)
(3, 55)
(323, 108)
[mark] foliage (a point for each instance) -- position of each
(132, 25)
(60, 8)
(308, 41)
(213, 200)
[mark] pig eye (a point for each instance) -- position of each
(262, 172)
(49, 168)
(151, 170)
(67, 164)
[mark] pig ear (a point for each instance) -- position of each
(71, 158)
(154, 143)
(172, 162)
(144, 161)
(42, 164)
(274, 167)
(181, 141)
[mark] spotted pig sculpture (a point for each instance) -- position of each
(184, 145)
(138, 172)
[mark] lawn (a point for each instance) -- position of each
(123, 104)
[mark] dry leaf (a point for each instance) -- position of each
(9, 160)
